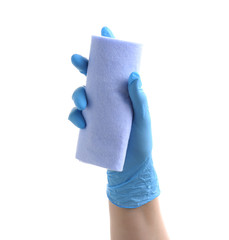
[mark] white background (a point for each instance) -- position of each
(45, 193)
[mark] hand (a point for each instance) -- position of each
(137, 184)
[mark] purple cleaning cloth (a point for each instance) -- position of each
(109, 111)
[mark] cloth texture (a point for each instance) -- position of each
(109, 112)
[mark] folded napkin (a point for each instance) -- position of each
(109, 111)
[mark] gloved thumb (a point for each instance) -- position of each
(138, 97)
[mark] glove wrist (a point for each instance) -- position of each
(135, 191)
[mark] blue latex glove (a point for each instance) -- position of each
(137, 184)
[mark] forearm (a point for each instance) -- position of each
(142, 223)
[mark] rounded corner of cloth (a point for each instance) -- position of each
(116, 168)
(115, 45)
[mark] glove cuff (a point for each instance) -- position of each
(137, 190)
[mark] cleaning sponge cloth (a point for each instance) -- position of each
(109, 112)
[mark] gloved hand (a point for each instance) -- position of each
(137, 184)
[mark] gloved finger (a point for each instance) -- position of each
(81, 63)
(77, 118)
(106, 32)
(138, 97)
(79, 97)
